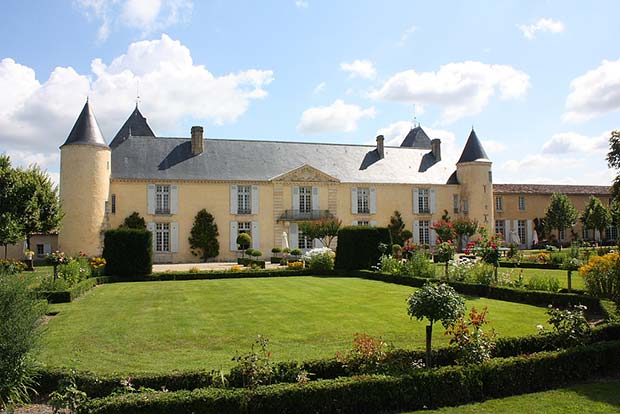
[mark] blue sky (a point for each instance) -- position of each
(539, 80)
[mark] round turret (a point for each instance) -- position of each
(474, 175)
(84, 186)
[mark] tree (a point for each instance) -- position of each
(613, 160)
(561, 213)
(435, 303)
(244, 241)
(596, 216)
(615, 217)
(11, 231)
(540, 226)
(464, 227)
(203, 237)
(325, 230)
(396, 227)
(134, 221)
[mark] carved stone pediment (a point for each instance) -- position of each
(307, 174)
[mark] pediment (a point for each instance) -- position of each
(306, 173)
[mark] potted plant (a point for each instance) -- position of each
(275, 258)
(256, 254)
(29, 254)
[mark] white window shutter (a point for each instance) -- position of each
(295, 194)
(433, 201)
(433, 237)
(151, 227)
(529, 233)
(294, 235)
(315, 198)
(507, 229)
(416, 204)
(47, 248)
(174, 237)
(233, 200)
(354, 200)
(516, 228)
(150, 198)
(373, 223)
(174, 199)
(255, 235)
(254, 199)
(373, 200)
(234, 229)
(416, 231)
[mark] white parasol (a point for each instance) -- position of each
(535, 238)
(514, 237)
(284, 240)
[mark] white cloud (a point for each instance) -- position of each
(359, 68)
(571, 142)
(595, 93)
(147, 16)
(492, 146)
(462, 89)
(541, 25)
(320, 88)
(406, 34)
(302, 4)
(337, 117)
(35, 117)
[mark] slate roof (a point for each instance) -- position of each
(473, 150)
(135, 125)
(417, 138)
(86, 130)
(243, 160)
(550, 189)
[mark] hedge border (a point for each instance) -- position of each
(447, 386)
(69, 295)
(526, 265)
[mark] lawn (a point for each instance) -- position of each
(599, 397)
(162, 326)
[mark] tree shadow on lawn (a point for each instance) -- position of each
(606, 390)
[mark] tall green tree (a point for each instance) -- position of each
(596, 216)
(11, 231)
(561, 213)
(615, 217)
(613, 160)
(396, 227)
(203, 237)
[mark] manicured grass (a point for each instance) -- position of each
(577, 279)
(163, 326)
(600, 397)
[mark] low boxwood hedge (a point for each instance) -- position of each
(446, 386)
(64, 296)
(526, 265)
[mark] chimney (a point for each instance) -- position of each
(436, 149)
(197, 140)
(380, 149)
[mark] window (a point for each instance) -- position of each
(465, 205)
(499, 203)
(424, 231)
(455, 203)
(490, 176)
(522, 203)
(562, 234)
(611, 233)
(521, 231)
(363, 223)
(244, 199)
(305, 200)
(500, 228)
(304, 241)
(40, 249)
(113, 203)
(162, 199)
(244, 227)
(363, 201)
(423, 201)
(162, 237)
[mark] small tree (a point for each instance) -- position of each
(561, 213)
(203, 237)
(11, 231)
(325, 230)
(445, 230)
(596, 216)
(396, 227)
(571, 263)
(444, 252)
(134, 221)
(435, 303)
(540, 226)
(464, 227)
(244, 241)
(614, 209)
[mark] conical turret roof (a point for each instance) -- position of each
(473, 150)
(86, 130)
(135, 125)
(417, 138)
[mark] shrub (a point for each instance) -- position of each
(296, 252)
(244, 241)
(365, 356)
(358, 246)
(445, 230)
(256, 253)
(254, 368)
(203, 237)
(473, 343)
(602, 276)
(320, 259)
(297, 265)
(128, 252)
(570, 324)
(134, 221)
(276, 250)
(11, 266)
(74, 271)
(20, 312)
(97, 265)
(548, 283)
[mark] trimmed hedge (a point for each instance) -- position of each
(447, 386)
(358, 246)
(128, 252)
(75, 292)
(525, 265)
(528, 297)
